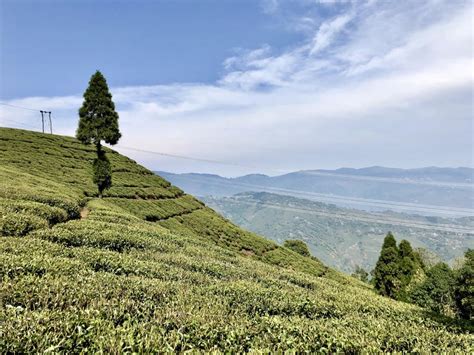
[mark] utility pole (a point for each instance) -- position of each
(42, 119)
(50, 123)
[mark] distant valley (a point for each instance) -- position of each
(344, 214)
(341, 237)
(427, 191)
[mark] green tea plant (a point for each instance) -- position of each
(148, 268)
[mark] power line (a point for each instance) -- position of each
(20, 107)
(18, 123)
(198, 159)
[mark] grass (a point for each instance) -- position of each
(150, 268)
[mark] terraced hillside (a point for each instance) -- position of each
(150, 268)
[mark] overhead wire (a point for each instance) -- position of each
(212, 161)
(42, 112)
(20, 107)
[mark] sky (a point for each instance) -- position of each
(252, 86)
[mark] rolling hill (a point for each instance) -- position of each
(341, 237)
(150, 268)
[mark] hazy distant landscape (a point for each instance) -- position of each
(427, 191)
(344, 214)
(340, 237)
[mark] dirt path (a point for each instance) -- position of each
(84, 212)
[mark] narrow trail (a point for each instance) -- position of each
(84, 212)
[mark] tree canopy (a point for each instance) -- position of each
(387, 270)
(464, 290)
(98, 118)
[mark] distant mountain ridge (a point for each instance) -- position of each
(432, 173)
(430, 190)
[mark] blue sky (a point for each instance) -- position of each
(272, 84)
(51, 47)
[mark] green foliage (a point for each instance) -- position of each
(407, 267)
(190, 281)
(51, 214)
(436, 292)
(102, 172)
(396, 268)
(464, 289)
(387, 271)
(98, 118)
(297, 246)
(389, 242)
(446, 291)
(19, 224)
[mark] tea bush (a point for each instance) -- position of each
(80, 274)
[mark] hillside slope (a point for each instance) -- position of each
(150, 268)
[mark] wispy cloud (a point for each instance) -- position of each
(382, 83)
(328, 31)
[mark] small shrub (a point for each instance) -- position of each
(19, 224)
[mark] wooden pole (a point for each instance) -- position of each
(50, 123)
(42, 121)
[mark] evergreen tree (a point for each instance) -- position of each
(464, 290)
(98, 121)
(406, 250)
(387, 271)
(407, 266)
(98, 118)
(102, 172)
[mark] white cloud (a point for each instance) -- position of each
(328, 31)
(381, 83)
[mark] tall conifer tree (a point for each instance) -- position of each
(464, 293)
(98, 121)
(387, 270)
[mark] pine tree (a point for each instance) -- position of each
(407, 267)
(464, 292)
(387, 270)
(98, 121)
